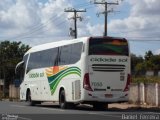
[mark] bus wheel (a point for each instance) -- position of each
(100, 106)
(62, 100)
(29, 99)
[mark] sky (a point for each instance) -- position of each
(35, 22)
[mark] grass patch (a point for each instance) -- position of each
(145, 79)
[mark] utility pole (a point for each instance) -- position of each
(75, 17)
(105, 12)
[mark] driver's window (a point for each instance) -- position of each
(20, 71)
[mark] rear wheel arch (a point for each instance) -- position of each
(60, 90)
(62, 99)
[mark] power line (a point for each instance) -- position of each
(142, 40)
(37, 29)
(29, 36)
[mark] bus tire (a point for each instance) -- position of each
(29, 99)
(100, 106)
(62, 100)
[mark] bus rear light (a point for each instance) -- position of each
(86, 82)
(127, 83)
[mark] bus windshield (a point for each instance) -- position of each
(108, 46)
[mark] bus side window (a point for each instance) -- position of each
(41, 59)
(19, 71)
(64, 57)
(23, 68)
(22, 73)
(76, 50)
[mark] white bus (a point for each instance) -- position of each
(89, 70)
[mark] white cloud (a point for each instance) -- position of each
(85, 28)
(143, 20)
(41, 22)
(5, 5)
(145, 7)
(19, 16)
(24, 19)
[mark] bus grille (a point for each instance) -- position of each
(108, 67)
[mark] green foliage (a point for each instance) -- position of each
(155, 60)
(140, 66)
(10, 54)
(136, 63)
(148, 55)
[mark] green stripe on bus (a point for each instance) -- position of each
(55, 79)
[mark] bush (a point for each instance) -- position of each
(146, 79)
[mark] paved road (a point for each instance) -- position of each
(48, 111)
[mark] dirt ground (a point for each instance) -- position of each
(133, 107)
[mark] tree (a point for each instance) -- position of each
(140, 68)
(10, 54)
(152, 61)
(148, 55)
(134, 61)
(156, 61)
(139, 65)
(149, 65)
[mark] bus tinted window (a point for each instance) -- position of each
(65, 54)
(76, 50)
(70, 54)
(42, 59)
(105, 46)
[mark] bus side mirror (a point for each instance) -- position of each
(18, 66)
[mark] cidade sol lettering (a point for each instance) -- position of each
(36, 75)
(123, 60)
(103, 60)
(108, 60)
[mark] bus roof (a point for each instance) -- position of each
(63, 42)
(55, 44)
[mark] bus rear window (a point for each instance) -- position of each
(108, 46)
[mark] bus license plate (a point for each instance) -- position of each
(108, 95)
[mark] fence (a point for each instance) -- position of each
(145, 94)
(14, 92)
